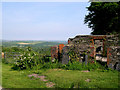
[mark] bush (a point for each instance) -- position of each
(26, 60)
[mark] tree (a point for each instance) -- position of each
(103, 17)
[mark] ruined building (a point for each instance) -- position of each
(87, 48)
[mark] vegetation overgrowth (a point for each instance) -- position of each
(29, 59)
(26, 61)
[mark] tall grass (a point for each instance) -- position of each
(72, 66)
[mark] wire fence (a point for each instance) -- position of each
(10, 57)
(11, 54)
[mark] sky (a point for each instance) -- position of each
(43, 20)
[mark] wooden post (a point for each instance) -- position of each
(108, 56)
(86, 59)
(92, 47)
(103, 47)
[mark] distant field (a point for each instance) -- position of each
(24, 43)
(31, 43)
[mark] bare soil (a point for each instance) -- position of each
(50, 84)
(24, 43)
(85, 71)
(87, 80)
(42, 78)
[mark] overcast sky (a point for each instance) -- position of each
(43, 21)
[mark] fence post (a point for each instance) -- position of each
(86, 59)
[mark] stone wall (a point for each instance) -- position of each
(76, 49)
(65, 55)
(87, 48)
(91, 45)
(113, 57)
(112, 40)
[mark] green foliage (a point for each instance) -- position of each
(51, 65)
(103, 17)
(26, 60)
(12, 49)
(73, 66)
(74, 55)
(40, 59)
(82, 66)
(8, 61)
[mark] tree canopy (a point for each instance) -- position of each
(103, 17)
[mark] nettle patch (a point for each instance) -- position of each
(26, 60)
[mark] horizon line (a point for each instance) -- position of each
(32, 40)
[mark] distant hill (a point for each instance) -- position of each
(32, 43)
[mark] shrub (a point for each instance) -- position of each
(26, 60)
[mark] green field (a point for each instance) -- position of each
(61, 78)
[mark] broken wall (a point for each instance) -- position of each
(83, 45)
(113, 57)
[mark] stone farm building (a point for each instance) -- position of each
(87, 48)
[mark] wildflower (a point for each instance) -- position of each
(21, 59)
(29, 54)
(32, 57)
(34, 54)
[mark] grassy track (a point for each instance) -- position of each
(62, 78)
